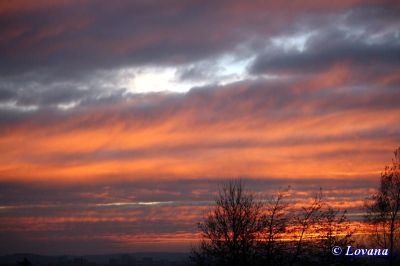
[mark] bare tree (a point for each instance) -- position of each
(384, 206)
(303, 221)
(333, 229)
(230, 231)
(241, 230)
(275, 221)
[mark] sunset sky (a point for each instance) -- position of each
(120, 119)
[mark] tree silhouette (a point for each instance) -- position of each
(241, 230)
(25, 262)
(333, 229)
(303, 221)
(230, 231)
(318, 227)
(275, 221)
(384, 206)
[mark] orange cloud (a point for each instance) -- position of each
(190, 143)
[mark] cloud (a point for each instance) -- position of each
(63, 215)
(177, 135)
(356, 39)
(117, 126)
(77, 40)
(80, 57)
(318, 59)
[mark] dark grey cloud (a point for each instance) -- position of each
(74, 56)
(374, 18)
(366, 37)
(125, 33)
(77, 40)
(264, 100)
(55, 199)
(32, 93)
(323, 53)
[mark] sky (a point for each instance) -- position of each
(120, 120)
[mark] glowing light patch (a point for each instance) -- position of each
(157, 79)
(292, 42)
(134, 203)
(232, 69)
(227, 68)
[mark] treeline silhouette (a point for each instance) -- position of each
(242, 229)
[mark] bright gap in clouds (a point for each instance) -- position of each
(226, 69)
(293, 42)
(154, 79)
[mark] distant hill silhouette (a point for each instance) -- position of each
(121, 259)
